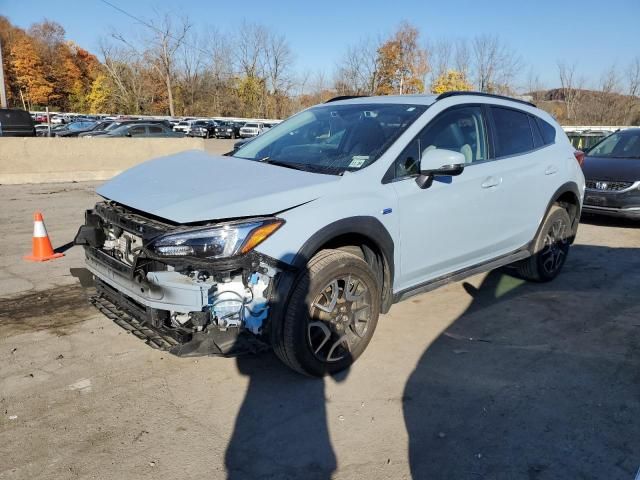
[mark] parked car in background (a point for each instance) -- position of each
(182, 126)
(228, 130)
(83, 127)
(202, 128)
(60, 119)
(42, 130)
(16, 123)
(117, 123)
(154, 130)
(73, 128)
(251, 129)
(612, 172)
(311, 230)
(585, 139)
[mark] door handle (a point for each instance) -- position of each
(490, 182)
(551, 169)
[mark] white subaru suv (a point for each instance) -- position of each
(302, 237)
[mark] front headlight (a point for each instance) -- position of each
(216, 242)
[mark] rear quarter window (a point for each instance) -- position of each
(512, 132)
(547, 130)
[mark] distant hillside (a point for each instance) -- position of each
(588, 107)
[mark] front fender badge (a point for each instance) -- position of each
(387, 211)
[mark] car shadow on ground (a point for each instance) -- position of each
(281, 429)
(524, 384)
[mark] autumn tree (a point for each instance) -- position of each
(450, 81)
(29, 73)
(99, 98)
(402, 63)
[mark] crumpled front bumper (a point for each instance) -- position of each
(156, 301)
(161, 290)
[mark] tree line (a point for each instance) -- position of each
(172, 68)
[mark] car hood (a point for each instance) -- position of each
(618, 169)
(194, 186)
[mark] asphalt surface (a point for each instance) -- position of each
(491, 378)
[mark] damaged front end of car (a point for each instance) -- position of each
(188, 289)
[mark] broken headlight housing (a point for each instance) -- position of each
(218, 241)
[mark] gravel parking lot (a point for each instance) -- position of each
(490, 378)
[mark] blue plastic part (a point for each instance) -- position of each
(387, 211)
(254, 323)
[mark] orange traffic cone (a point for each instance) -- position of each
(42, 249)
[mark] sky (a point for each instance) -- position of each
(594, 34)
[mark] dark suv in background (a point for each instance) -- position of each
(16, 123)
(228, 130)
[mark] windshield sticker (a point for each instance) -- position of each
(358, 160)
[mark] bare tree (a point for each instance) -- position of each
(496, 64)
(249, 46)
(278, 64)
(633, 77)
(462, 57)
(357, 71)
(126, 73)
(191, 73)
(571, 87)
(165, 40)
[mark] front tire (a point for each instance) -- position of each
(551, 248)
(331, 315)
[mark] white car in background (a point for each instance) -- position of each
(252, 129)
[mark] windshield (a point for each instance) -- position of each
(333, 138)
(251, 125)
(618, 145)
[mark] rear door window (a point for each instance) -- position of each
(512, 132)
(139, 130)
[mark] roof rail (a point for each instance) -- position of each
(344, 97)
(444, 95)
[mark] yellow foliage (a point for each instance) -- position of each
(99, 95)
(451, 81)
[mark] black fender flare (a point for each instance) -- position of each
(365, 226)
(568, 187)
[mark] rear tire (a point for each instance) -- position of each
(331, 315)
(551, 248)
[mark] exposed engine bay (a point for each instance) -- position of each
(198, 306)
